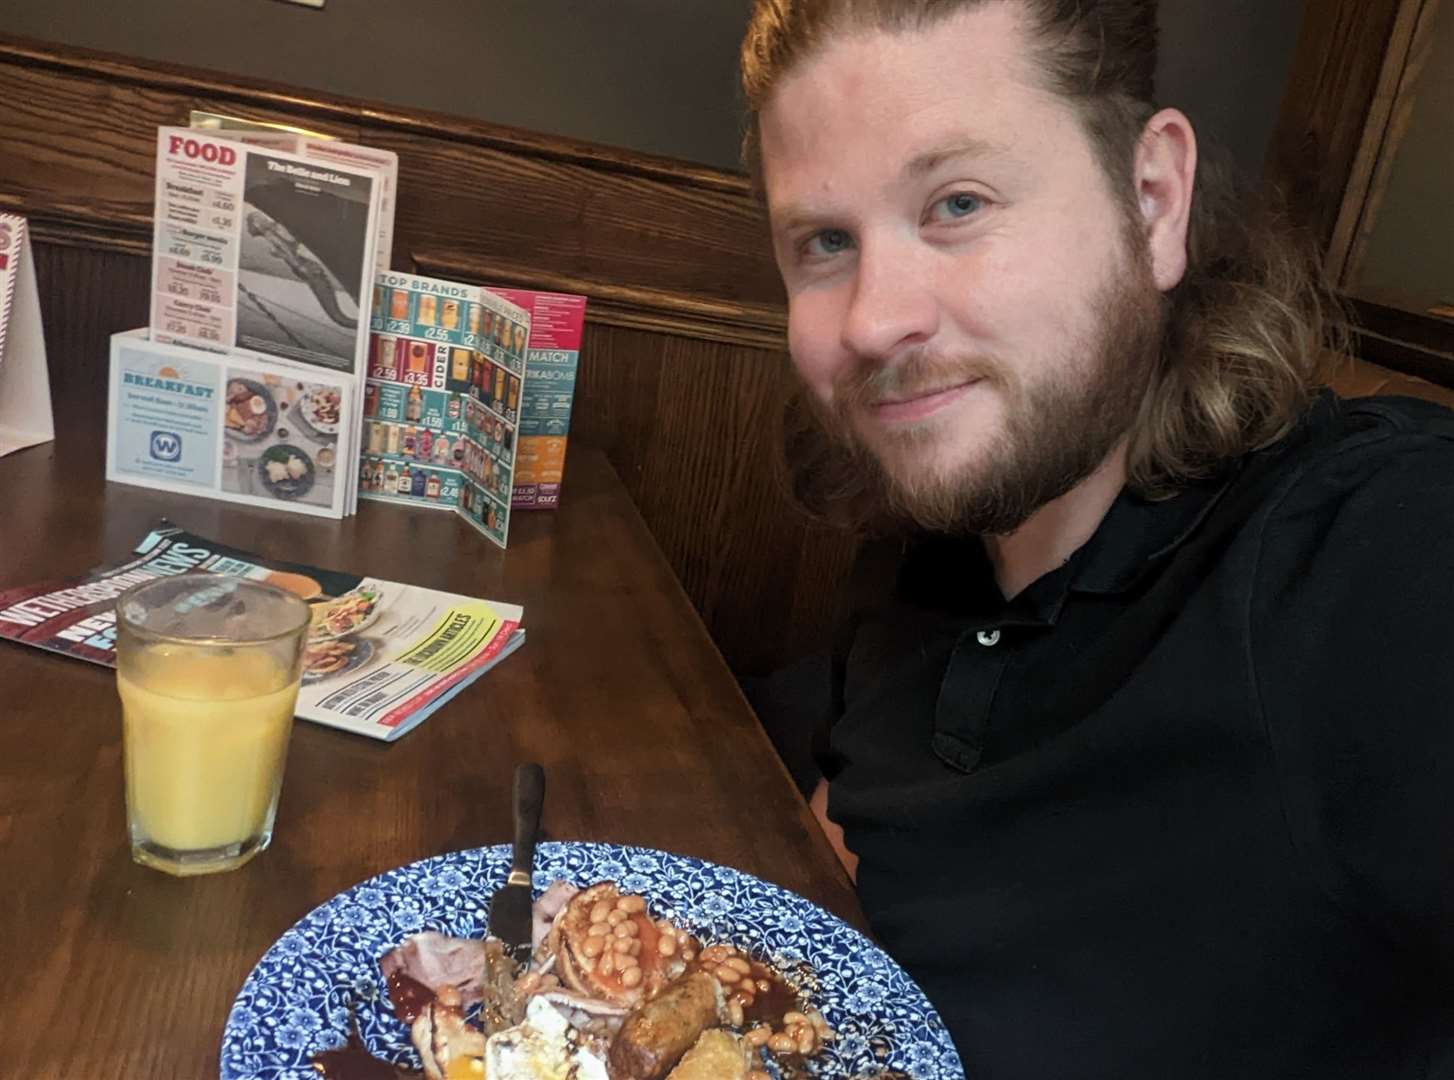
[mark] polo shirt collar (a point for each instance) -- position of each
(1137, 535)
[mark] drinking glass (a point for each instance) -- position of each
(208, 669)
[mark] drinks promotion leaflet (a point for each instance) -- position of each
(380, 656)
(442, 401)
(557, 324)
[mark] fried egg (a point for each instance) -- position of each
(543, 1047)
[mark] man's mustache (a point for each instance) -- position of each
(920, 373)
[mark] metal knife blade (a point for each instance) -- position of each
(510, 906)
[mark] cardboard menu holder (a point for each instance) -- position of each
(25, 409)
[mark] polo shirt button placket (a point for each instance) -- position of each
(966, 695)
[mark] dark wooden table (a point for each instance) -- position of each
(108, 969)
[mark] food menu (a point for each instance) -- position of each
(557, 323)
(262, 250)
(231, 426)
(442, 400)
(381, 656)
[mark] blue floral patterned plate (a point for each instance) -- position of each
(296, 1001)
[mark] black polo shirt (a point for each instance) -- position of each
(1241, 863)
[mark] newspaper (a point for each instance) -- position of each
(318, 147)
(557, 324)
(231, 426)
(262, 250)
(381, 656)
(442, 402)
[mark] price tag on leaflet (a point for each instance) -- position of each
(25, 409)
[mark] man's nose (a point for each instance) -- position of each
(893, 304)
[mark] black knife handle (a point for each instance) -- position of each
(529, 798)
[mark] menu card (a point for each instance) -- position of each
(442, 401)
(557, 324)
(381, 656)
(263, 251)
(25, 409)
(231, 426)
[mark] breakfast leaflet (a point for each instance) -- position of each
(442, 401)
(231, 426)
(381, 656)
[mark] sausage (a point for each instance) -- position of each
(657, 1033)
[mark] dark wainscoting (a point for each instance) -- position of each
(683, 360)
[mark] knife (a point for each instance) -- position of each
(510, 909)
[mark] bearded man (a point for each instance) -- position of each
(1147, 764)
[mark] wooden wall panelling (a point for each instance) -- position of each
(575, 220)
(684, 346)
(464, 186)
(1335, 73)
(1409, 48)
(691, 428)
(86, 296)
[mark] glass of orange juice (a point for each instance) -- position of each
(208, 669)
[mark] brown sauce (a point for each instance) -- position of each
(352, 1061)
(769, 1006)
(408, 995)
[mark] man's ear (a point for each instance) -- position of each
(1166, 168)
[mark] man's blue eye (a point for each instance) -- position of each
(829, 242)
(960, 205)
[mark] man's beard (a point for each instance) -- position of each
(1056, 431)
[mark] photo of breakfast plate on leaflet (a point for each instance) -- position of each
(286, 471)
(320, 408)
(282, 438)
(642, 965)
(249, 411)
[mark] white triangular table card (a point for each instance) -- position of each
(25, 410)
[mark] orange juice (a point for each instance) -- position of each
(205, 735)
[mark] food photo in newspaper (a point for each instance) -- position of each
(381, 656)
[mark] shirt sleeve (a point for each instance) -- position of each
(1351, 638)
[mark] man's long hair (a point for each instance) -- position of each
(1245, 328)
